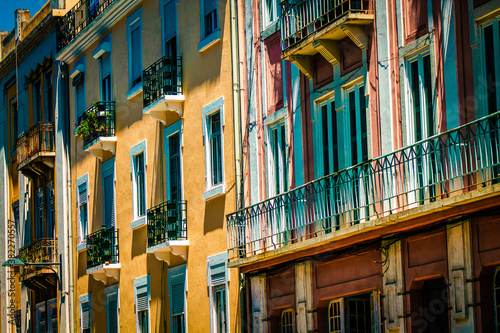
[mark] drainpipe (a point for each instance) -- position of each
(236, 103)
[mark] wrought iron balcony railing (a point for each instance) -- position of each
(167, 222)
(78, 18)
(300, 18)
(38, 139)
(102, 247)
(41, 250)
(453, 162)
(164, 77)
(97, 121)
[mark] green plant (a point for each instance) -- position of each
(23, 257)
(89, 126)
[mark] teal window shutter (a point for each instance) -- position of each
(108, 178)
(176, 290)
(80, 99)
(209, 6)
(105, 65)
(169, 20)
(86, 315)
(142, 301)
(113, 316)
(135, 38)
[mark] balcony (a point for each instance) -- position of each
(457, 167)
(162, 88)
(102, 255)
(167, 230)
(97, 129)
(312, 26)
(78, 18)
(35, 149)
(39, 278)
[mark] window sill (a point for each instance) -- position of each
(210, 40)
(140, 222)
(82, 246)
(214, 192)
(134, 91)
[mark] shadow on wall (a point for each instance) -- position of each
(214, 214)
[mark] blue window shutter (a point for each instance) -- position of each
(80, 99)
(135, 37)
(113, 316)
(105, 66)
(176, 289)
(108, 186)
(170, 20)
(142, 301)
(86, 315)
(177, 299)
(209, 6)
(82, 194)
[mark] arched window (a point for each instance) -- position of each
(287, 321)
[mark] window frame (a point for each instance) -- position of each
(282, 315)
(107, 168)
(134, 21)
(103, 51)
(267, 19)
(84, 300)
(175, 276)
(207, 40)
(495, 24)
(213, 190)
(217, 279)
(281, 128)
(77, 74)
(355, 87)
(163, 3)
(82, 181)
(136, 150)
(111, 293)
(375, 313)
(139, 283)
(175, 128)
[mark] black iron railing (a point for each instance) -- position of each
(302, 18)
(450, 163)
(164, 77)
(166, 222)
(40, 251)
(78, 18)
(102, 247)
(97, 121)
(38, 139)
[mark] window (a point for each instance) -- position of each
(272, 11)
(37, 101)
(15, 217)
(39, 214)
(173, 142)
(274, 73)
(287, 322)
(134, 38)
(18, 321)
(176, 291)
(491, 37)
(108, 186)
(429, 307)
(105, 64)
(83, 207)
(112, 305)
(49, 92)
(78, 76)
(170, 27)
(41, 317)
(51, 211)
(213, 116)
(138, 163)
(210, 17)
(357, 314)
(278, 160)
(52, 315)
(14, 121)
(142, 298)
(217, 283)
(85, 313)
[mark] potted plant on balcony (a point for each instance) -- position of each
(90, 126)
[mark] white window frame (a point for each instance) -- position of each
(140, 282)
(134, 20)
(139, 148)
(279, 125)
(79, 68)
(375, 312)
(175, 128)
(85, 299)
(112, 293)
(104, 49)
(208, 110)
(215, 35)
(269, 18)
(217, 265)
(82, 181)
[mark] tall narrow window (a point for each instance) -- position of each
(14, 130)
(80, 98)
(176, 290)
(142, 297)
(357, 314)
(83, 211)
(105, 62)
(15, 217)
(134, 31)
(111, 299)
(51, 211)
(271, 11)
(85, 313)
(41, 317)
(140, 184)
(287, 321)
(49, 95)
(219, 299)
(170, 27)
(174, 174)
(491, 35)
(108, 185)
(210, 17)
(274, 73)
(217, 283)
(279, 158)
(39, 232)
(215, 139)
(37, 101)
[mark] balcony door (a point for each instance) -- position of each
(108, 187)
(171, 81)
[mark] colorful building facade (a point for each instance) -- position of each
(370, 158)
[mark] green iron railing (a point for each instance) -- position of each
(164, 77)
(455, 161)
(167, 222)
(301, 18)
(102, 247)
(40, 251)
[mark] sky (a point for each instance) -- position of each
(7, 8)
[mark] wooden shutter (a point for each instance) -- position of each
(169, 20)
(135, 37)
(209, 6)
(85, 315)
(113, 316)
(142, 301)
(274, 73)
(109, 192)
(105, 66)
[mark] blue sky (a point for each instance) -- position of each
(7, 8)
